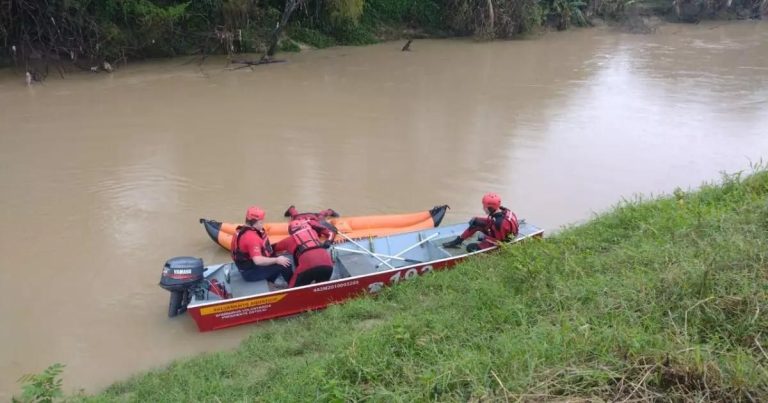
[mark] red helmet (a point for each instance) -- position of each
(254, 213)
(491, 200)
(296, 226)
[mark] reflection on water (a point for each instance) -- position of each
(103, 177)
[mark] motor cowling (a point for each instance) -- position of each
(181, 273)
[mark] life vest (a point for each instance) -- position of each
(305, 238)
(241, 257)
(496, 224)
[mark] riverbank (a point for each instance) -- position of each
(662, 298)
(59, 37)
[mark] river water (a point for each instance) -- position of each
(103, 177)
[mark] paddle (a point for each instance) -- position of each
(397, 255)
(343, 235)
(378, 254)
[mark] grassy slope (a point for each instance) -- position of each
(667, 297)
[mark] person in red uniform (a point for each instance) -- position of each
(497, 227)
(252, 253)
(294, 214)
(313, 262)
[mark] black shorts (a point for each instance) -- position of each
(317, 274)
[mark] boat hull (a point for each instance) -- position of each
(270, 305)
(294, 301)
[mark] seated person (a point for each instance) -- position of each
(253, 255)
(313, 262)
(497, 227)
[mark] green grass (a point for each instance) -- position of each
(311, 37)
(289, 46)
(654, 299)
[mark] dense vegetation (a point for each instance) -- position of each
(39, 33)
(663, 299)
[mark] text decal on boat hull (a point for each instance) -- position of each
(241, 305)
(402, 274)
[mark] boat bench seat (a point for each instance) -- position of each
(355, 264)
(435, 252)
(359, 264)
(339, 272)
(242, 288)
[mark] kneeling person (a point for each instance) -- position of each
(252, 253)
(313, 262)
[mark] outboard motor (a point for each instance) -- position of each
(182, 276)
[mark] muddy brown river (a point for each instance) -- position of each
(103, 177)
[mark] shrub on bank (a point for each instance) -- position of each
(88, 33)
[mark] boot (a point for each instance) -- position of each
(455, 243)
(331, 213)
(276, 286)
(290, 212)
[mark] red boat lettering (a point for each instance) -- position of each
(182, 276)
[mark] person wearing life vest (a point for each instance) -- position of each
(498, 226)
(252, 253)
(294, 214)
(313, 262)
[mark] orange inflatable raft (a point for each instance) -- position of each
(353, 227)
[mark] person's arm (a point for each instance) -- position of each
(490, 239)
(286, 245)
(268, 261)
(514, 226)
(506, 229)
(500, 226)
(323, 231)
(260, 260)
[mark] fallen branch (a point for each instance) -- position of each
(251, 63)
(257, 62)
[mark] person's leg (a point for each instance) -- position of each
(456, 242)
(315, 274)
(254, 274)
(475, 224)
(321, 274)
(299, 279)
(476, 246)
(287, 273)
(329, 213)
(269, 273)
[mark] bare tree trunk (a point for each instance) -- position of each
(290, 7)
(592, 8)
(491, 17)
(318, 8)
